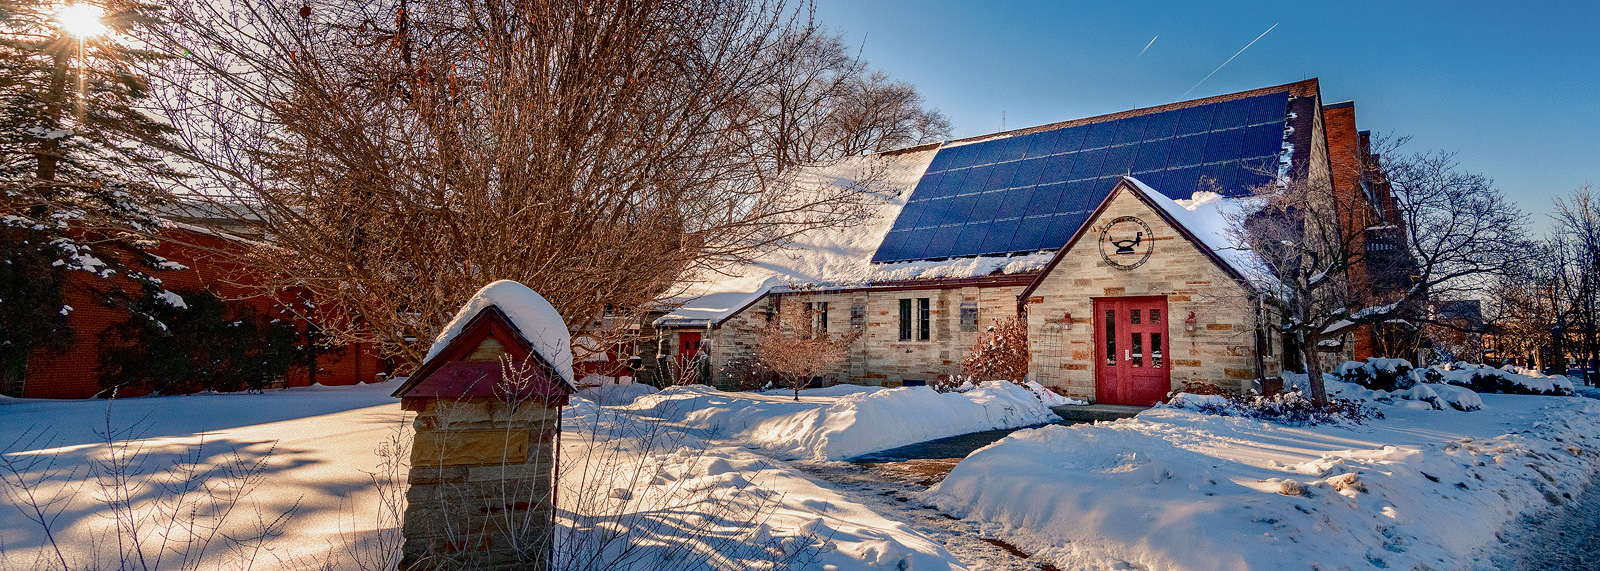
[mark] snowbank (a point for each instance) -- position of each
(844, 421)
(1177, 489)
(1051, 398)
(534, 317)
(610, 394)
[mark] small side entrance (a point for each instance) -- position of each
(1131, 358)
(688, 350)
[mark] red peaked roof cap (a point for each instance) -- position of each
(449, 376)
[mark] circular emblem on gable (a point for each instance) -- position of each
(1126, 242)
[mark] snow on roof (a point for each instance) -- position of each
(538, 321)
(1208, 216)
(831, 258)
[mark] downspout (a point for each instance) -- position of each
(1261, 368)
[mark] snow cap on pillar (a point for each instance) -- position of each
(538, 321)
(504, 329)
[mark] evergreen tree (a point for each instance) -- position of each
(79, 158)
(191, 340)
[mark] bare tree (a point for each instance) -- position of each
(403, 153)
(1000, 354)
(796, 347)
(1420, 229)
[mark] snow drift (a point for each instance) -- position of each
(844, 421)
(1178, 489)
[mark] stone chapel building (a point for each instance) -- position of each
(1109, 234)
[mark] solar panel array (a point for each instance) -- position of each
(1032, 192)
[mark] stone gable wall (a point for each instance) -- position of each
(1221, 349)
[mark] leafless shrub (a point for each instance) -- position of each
(1000, 354)
(796, 349)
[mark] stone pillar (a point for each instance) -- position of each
(481, 494)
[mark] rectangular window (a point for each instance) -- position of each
(1111, 338)
(969, 316)
(1133, 316)
(1155, 350)
(858, 315)
(905, 320)
(822, 317)
(922, 319)
(818, 314)
(1138, 349)
(1155, 317)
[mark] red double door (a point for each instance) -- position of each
(1132, 363)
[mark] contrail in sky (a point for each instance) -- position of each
(1225, 64)
(1146, 48)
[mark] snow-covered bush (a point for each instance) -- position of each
(1290, 408)
(1506, 380)
(1437, 396)
(1378, 373)
(1000, 354)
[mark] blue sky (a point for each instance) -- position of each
(1512, 87)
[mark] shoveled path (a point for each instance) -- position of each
(1564, 538)
(889, 481)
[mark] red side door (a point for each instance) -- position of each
(1132, 364)
(688, 349)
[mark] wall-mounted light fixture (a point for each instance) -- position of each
(1066, 322)
(1189, 322)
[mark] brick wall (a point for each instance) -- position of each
(212, 264)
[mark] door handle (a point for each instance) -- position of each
(1126, 356)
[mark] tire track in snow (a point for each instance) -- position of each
(890, 489)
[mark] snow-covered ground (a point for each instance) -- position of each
(1178, 489)
(843, 421)
(318, 452)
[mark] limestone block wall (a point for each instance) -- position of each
(480, 492)
(879, 357)
(1221, 349)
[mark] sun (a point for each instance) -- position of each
(81, 20)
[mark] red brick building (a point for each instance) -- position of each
(73, 372)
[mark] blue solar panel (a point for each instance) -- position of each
(1195, 120)
(1152, 156)
(1224, 145)
(1071, 139)
(1161, 125)
(1043, 143)
(1046, 197)
(988, 205)
(1100, 135)
(1016, 203)
(1118, 160)
(1130, 130)
(1263, 140)
(1187, 151)
(1032, 192)
(1230, 114)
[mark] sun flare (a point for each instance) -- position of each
(81, 20)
